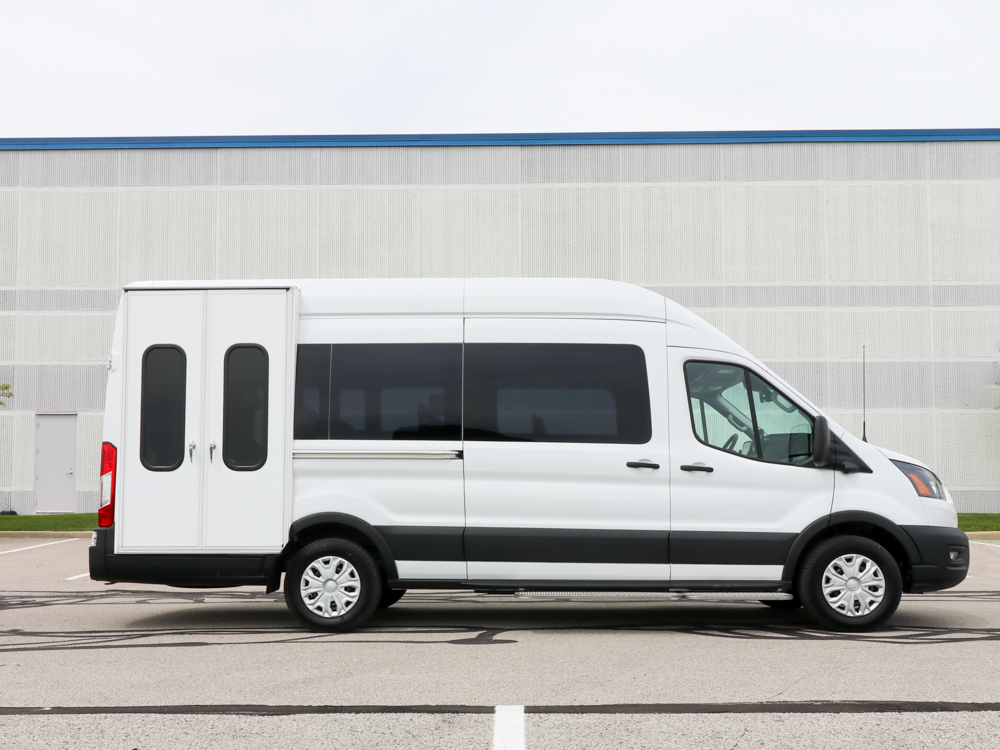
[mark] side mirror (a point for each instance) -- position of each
(822, 443)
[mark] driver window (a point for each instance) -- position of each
(720, 406)
(785, 430)
(737, 411)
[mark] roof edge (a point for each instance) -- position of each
(502, 139)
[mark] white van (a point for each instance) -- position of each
(365, 437)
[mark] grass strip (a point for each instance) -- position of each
(979, 521)
(55, 522)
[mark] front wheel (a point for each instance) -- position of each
(333, 585)
(850, 583)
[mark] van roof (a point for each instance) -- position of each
(534, 297)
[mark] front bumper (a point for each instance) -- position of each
(936, 569)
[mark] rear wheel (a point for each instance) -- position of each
(850, 583)
(333, 585)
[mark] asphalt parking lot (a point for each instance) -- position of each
(86, 665)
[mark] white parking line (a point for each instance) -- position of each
(36, 546)
(986, 544)
(82, 575)
(508, 728)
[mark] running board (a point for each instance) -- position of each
(670, 596)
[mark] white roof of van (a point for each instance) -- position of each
(589, 298)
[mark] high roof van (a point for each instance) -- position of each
(366, 437)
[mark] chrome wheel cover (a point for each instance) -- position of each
(330, 586)
(853, 585)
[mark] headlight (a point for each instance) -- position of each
(923, 480)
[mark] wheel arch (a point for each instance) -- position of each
(345, 526)
(862, 523)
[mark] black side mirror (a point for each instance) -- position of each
(821, 442)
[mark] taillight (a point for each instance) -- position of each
(109, 464)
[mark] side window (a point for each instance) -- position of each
(785, 430)
(244, 408)
(720, 406)
(556, 393)
(161, 418)
(379, 392)
(735, 410)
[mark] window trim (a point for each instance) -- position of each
(753, 412)
(142, 404)
(225, 411)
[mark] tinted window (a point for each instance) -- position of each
(565, 393)
(379, 392)
(735, 410)
(161, 419)
(244, 409)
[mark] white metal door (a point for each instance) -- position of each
(549, 510)
(55, 463)
(737, 521)
(247, 410)
(159, 493)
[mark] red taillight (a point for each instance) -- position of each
(109, 464)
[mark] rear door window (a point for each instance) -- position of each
(244, 414)
(557, 393)
(161, 419)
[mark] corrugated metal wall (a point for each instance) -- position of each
(802, 252)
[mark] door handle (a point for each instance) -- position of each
(642, 465)
(211, 452)
(191, 446)
(697, 467)
(70, 472)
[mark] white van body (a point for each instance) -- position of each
(516, 489)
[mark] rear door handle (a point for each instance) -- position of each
(697, 467)
(642, 465)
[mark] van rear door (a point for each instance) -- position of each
(206, 449)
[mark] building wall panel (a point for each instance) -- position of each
(570, 232)
(369, 233)
(470, 165)
(967, 448)
(167, 234)
(83, 168)
(369, 166)
(6, 454)
(773, 233)
(23, 454)
(883, 333)
(689, 162)
(745, 162)
(672, 235)
(180, 167)
(570, 164)
(469, 232)
(10, 169)
(64, 338)
(8, 237)
(877, 233)
(67, 238)
(964, 160)
(57, 388)
(967, 333)
(7, 338)
(268, 166)
(269, 234)
(875, 161)
(88, 452)
(774, 334)
(965, 231)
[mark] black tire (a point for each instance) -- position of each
(390, 597)
(813, 570)
(782, 604)
(368, 580)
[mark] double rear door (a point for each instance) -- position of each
(204, 458)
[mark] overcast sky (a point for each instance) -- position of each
(151, 67)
